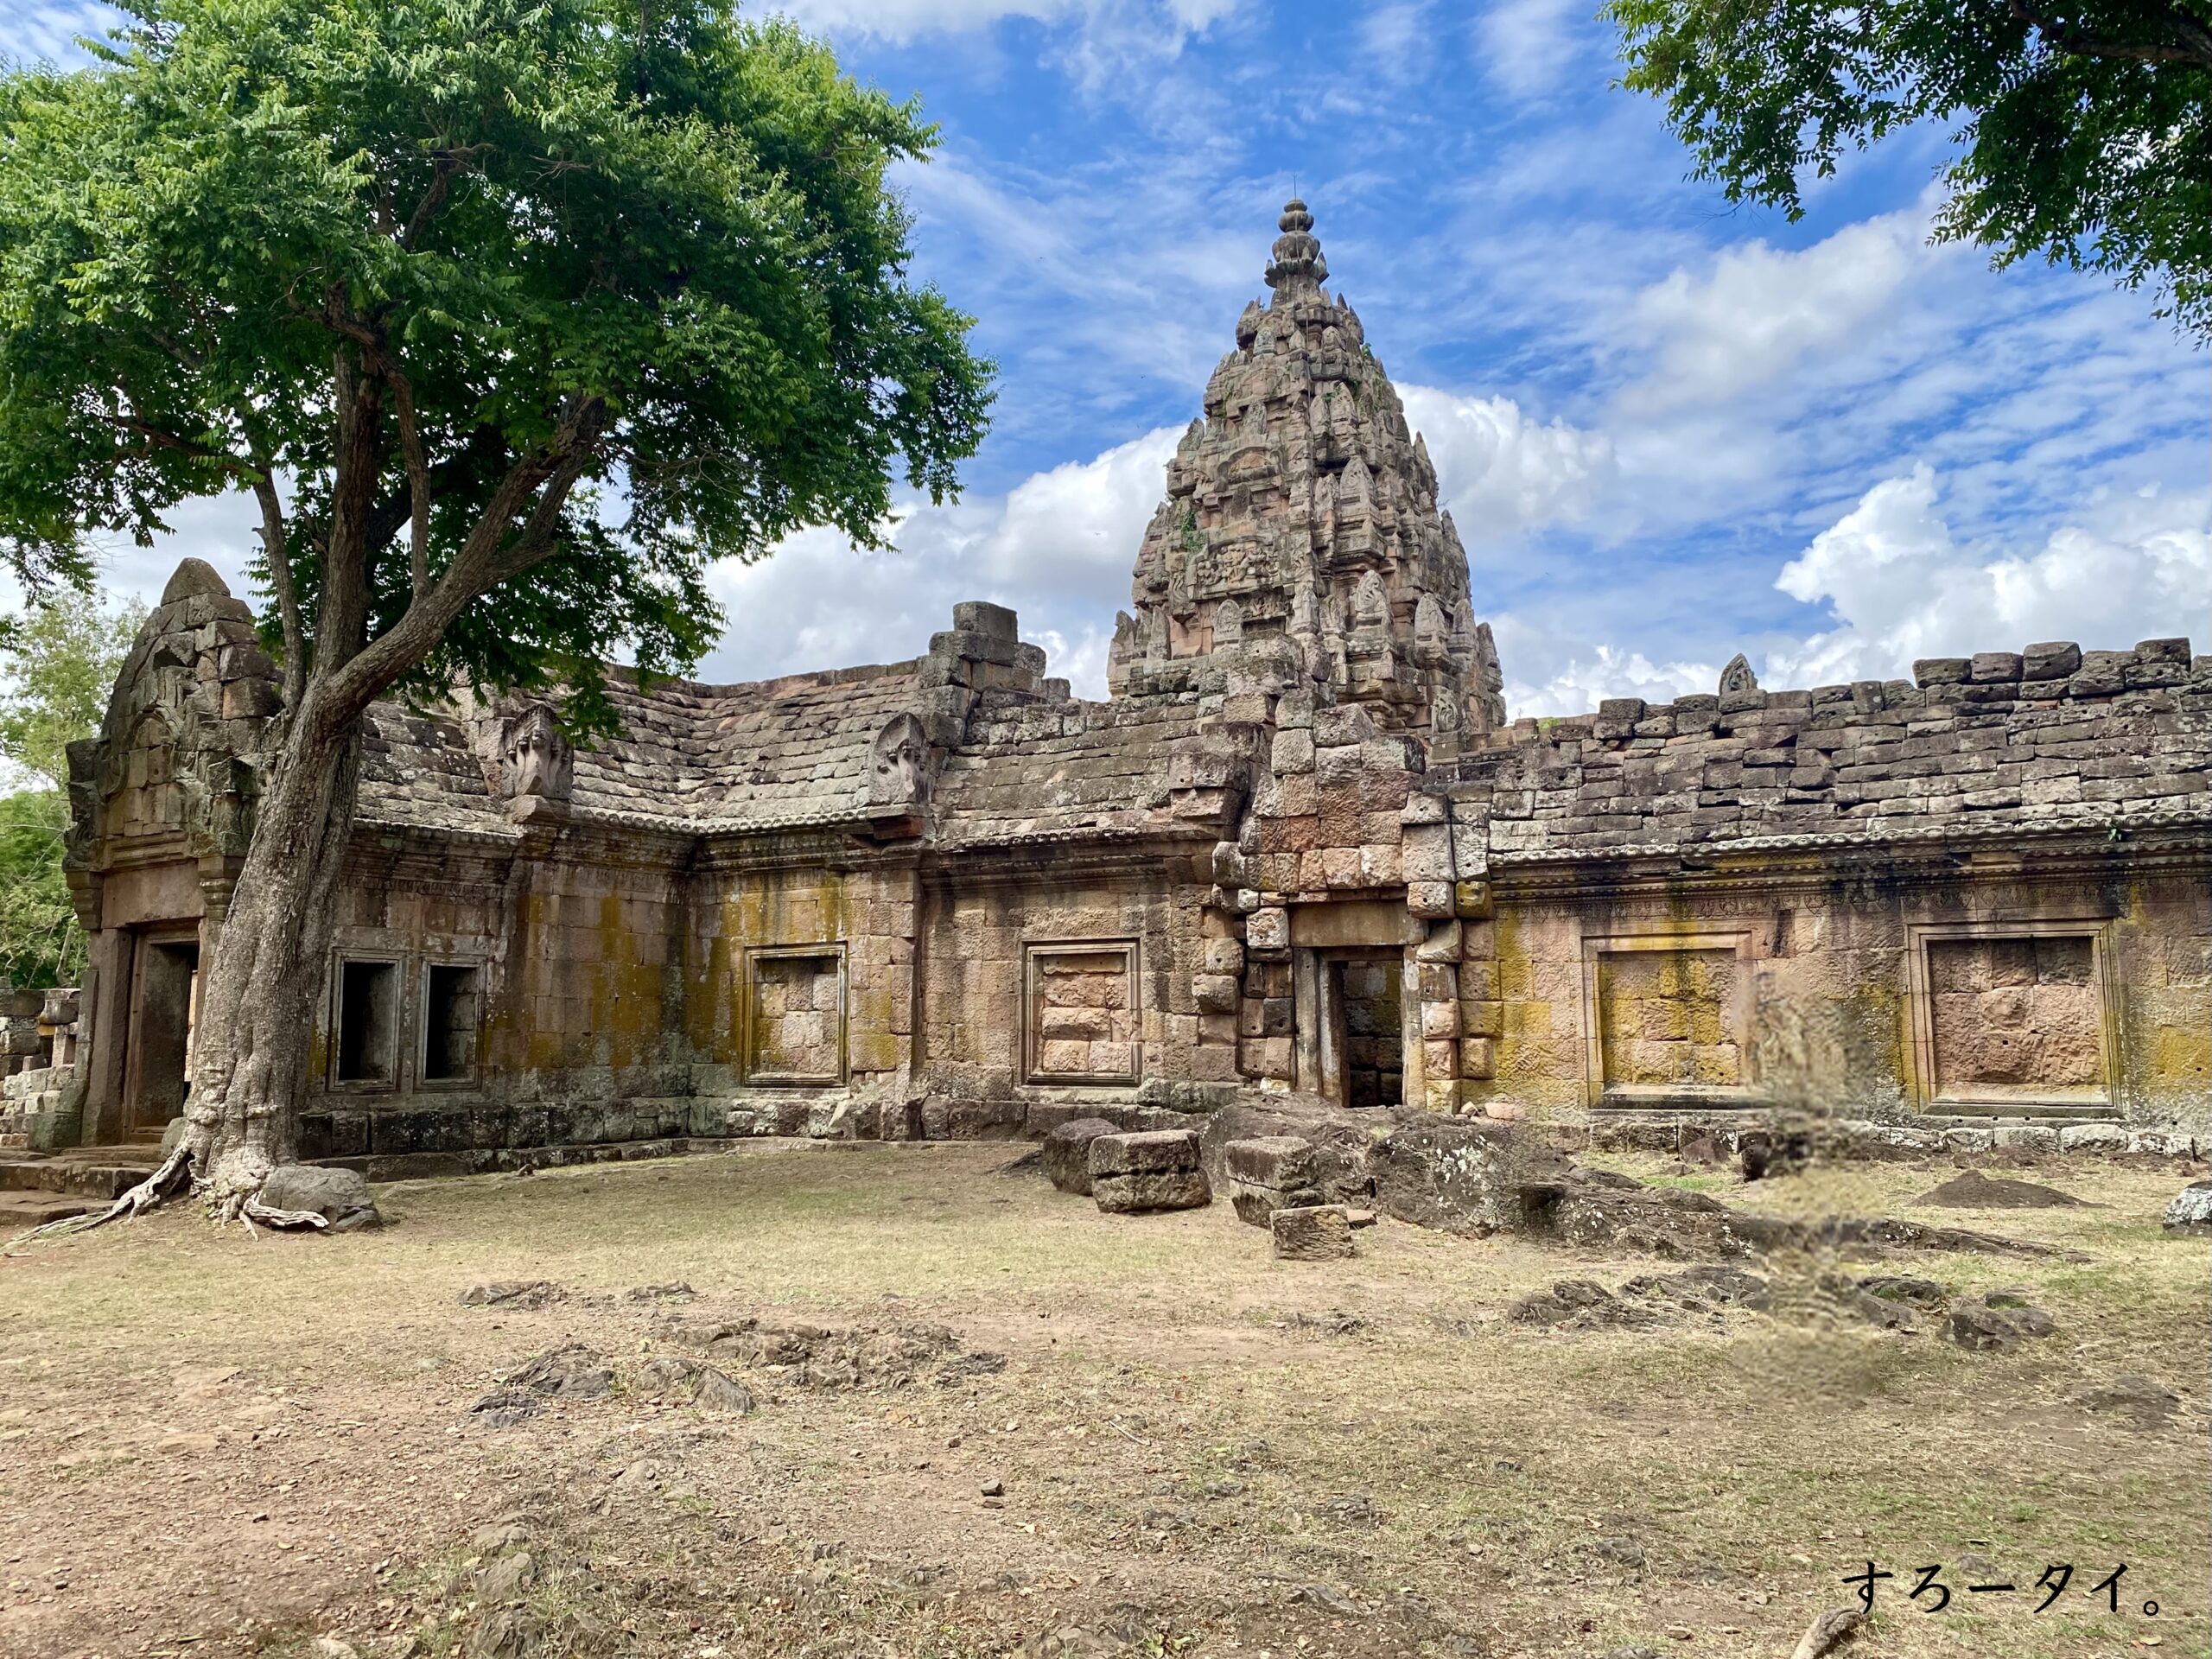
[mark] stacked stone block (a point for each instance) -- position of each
(1155, 1169)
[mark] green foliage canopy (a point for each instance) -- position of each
(2083, 131)
(598, 290)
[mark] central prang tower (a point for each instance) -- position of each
(1301, 506)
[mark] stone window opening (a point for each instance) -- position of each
(452, 1016)
(366, 1051)
(1081, 1021)
(2012, 1017)
(795, 1016)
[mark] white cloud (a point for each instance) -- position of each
(1900, 586)
(1526, 46)
(1499, 471)
(47, 30)
(1058, 548)
(1756, 311)
(1396, 37)
(1154, 28)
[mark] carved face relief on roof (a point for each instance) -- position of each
(899, 763)
(535, 758)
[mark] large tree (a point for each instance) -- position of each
(2083, 131)
(510, 316)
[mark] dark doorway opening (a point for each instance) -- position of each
(1367, 1011)
(164, 1009)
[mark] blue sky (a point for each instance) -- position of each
(1668, 430)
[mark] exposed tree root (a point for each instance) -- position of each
(172, 1179)
(254, 1210)
(173, 1176)
(1830, 1631)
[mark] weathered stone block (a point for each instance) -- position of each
(1442, 944)
(2103, 674)
(1140, 1190)
(1225, 956)
(1477, 1057)
(1431, 900)
(1066, 1152)
(1292, 752)
(2053, 660)
(1268, 929)
(1151, 1150)
(1942, 670)
(1439, 1020)
(1216, 993)
(1286, 1161)
(1471, 901)
(1320, 1232)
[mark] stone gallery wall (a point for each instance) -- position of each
(1298, 849)
(1874, 989)
(1034, 985)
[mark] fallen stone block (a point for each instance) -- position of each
(1149, 1152)
(512, 1293)
(1134, 1192)
(1316, 1232)
(1066, 1152)
(1277, 1160)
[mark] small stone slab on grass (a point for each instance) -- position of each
(1313, 1232)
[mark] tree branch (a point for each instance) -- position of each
(2191, 43)
(342, 627)
(274, 543)
(418, 477)
(450, 162)
(494, 552)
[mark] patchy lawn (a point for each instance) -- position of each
(213, 1445)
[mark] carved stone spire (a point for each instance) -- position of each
(1297, 269)
(1300, 525)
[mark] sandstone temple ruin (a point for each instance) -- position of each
(1299, 848)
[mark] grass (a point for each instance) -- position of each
(1187, 1431)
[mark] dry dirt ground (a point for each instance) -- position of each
(215, 1444)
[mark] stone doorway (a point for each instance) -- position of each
(164, 1011)
(1364, 1005)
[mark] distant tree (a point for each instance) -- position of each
(56, 672)
(57, 666)
(2083, 132)
(509, 316)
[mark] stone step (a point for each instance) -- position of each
(499, 1160)
(20, 1211)
(91, 1172)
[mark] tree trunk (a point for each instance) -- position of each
(258, 1006)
